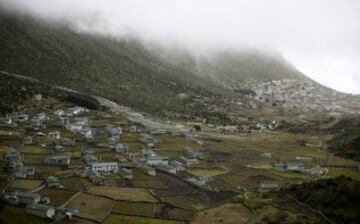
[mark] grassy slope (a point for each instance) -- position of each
(346, 140)
(346, 144)
(15, 92)
(235, 68)
(337, 198)
(123, 71)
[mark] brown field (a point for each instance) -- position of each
(75, 183)
(33, 158)
(167, 142)
(180, 214)
(129, 137)
(16, 215)
(48, 170)
(138, 208)
(2, 152)
(124, 219)
(57, 196)
(248, 178)
(124, 193)
(183, 201)
(35, 150)
(229, 213)
(149, 184)
(77, 220)
(202, 171)
(27, 184)
(90, 206)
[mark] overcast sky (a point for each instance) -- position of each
(320, 37)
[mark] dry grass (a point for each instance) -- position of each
(35, 150)
(229, 213)
(90, 206)
(124, 193)
(119, 219)
(211, 171)
(27, 184)
(57, 196)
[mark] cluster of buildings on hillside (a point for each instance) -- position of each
(305, 95)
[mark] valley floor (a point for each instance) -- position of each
(216, 178)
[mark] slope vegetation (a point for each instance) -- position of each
(124, 71)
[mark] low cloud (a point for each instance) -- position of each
(321, 38)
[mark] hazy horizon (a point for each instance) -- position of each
(320, 38)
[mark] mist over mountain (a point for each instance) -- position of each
(324, 44)
(128, 71)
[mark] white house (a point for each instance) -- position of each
(166, 168)
(188, 161)
(37, 97)
(157, 160)
(76, 111)
(191, 153)
(179, 166)
(201, 182)
(147, 169)
(59, 112)
(55, 135)
(104, 166)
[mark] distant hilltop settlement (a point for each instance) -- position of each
(268, 106)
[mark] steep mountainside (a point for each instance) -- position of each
(124, 71)
(236, 69)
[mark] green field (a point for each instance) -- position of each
(117, 219)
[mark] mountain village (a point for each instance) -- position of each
(59, 159)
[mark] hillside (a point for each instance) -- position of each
(16, 90)
(347, 143)
(235, 69)
(123, 70)
(337, 198)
